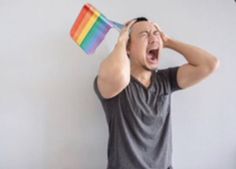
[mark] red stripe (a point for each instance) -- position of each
(81, 21)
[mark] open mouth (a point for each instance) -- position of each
(152, 55)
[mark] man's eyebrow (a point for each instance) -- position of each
(144, 31)
(156, 31)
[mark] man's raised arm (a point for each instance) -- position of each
(200, 63)
(114, 71)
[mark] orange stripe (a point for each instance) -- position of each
(78, 21)
(83, 22)
(92, 20)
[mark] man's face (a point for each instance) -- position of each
(145, 45)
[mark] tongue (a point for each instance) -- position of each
(151, 57)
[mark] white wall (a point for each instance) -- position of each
(50, 117)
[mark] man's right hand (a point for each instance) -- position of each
(125, 32)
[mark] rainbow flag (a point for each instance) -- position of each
(90, 28)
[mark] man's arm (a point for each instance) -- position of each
(114, 71)
(200, 63)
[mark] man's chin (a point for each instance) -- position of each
(151, 69)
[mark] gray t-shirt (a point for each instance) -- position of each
(139, 123)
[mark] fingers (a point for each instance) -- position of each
(157, 26)
(129, 24)
(165, 38)
(125, 32)
(159, 29)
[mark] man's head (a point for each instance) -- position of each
(144, 45)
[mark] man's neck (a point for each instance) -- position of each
(142, 75)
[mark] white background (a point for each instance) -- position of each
(50, 117)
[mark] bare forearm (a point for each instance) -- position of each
(194, 55)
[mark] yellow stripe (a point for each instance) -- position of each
(87, 27)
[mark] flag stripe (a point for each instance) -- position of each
(90, 28)
(77, 25)
(83, 19)
(95, 35)
(87, 28)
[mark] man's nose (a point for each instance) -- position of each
(153, 39)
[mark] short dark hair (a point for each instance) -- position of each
(139, 19)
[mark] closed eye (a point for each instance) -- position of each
(156, 33)
(143, 34)
(146, 33)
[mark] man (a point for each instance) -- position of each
(136, 97)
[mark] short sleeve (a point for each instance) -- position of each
(107, 104)
(169, 76)
(95, 87)
(173, 78)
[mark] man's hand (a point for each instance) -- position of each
(164, 37)
(125, 32)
